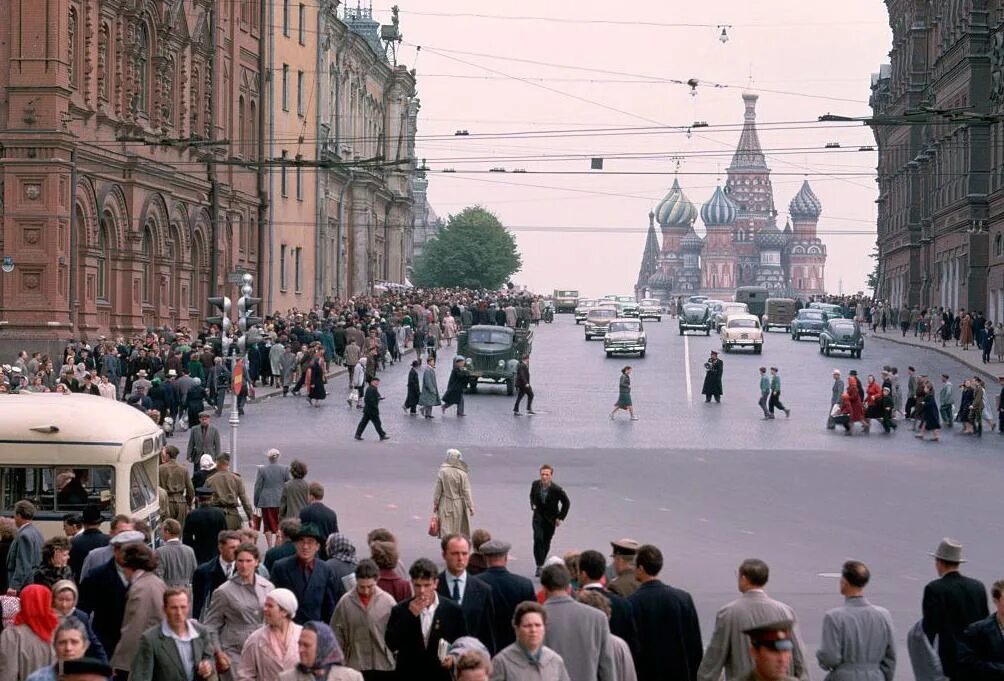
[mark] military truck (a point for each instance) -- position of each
(492, 353)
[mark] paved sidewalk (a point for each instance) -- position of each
(973, 358)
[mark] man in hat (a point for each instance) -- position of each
(728, 649)
(455, 386)
(770, 647)
(550, 506)
(309, 578)
(856, 632)
(508, 590)
(141, 381)
(714, 369)
(203, 439)
(371, 410)
(228, 491)
(89, 539)
(203, 525)
(951, 603)
(623, 555)
(177, 482)
(103, 591)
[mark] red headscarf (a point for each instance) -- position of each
(36, 611)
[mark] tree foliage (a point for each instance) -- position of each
(873, 276)
(473, 250)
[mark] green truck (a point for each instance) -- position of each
(492, 353)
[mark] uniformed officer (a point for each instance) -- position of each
(624, 552)
(771, 647)
(228, 491)
(177, 482)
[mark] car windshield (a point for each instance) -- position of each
(602, 312)
(567, 294)
(842, 327)
(815, 315)
(491, 337)
(650, 301)
(694, 309)
(625, 299)
(735, 308)
(625, 326)
(743, 324)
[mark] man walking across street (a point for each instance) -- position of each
(228, 492)
(203, 438)
(729, 647)
(764, 392)
(177, 482)
(775, 394)
(857, 640)
(836, 395)
(523, 386)
(550, 506)
(945, 399)
(371, 410)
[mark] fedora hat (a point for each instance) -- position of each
(949, 551)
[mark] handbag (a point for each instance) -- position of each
(256, 521)
(434, 525)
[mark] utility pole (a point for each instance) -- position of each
(246, 322)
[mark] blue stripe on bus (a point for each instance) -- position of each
(61, 442)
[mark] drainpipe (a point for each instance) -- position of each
(264, 189)
(74, 260)
(214, 194)
(320, 198)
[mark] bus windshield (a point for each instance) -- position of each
(57, 489)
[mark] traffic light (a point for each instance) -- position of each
(246, 318)
(222, 320)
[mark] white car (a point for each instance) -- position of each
(582, 309)
(742, 330)
(625, 336)
(650, 308)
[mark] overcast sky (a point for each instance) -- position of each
(487, 75)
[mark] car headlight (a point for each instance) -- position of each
(467, 360)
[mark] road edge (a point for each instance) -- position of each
(977, 367)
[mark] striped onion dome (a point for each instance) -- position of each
(659, 279)
(770, 238)
(720, 210)
(675, 209)
(806, 204)
(691, 242)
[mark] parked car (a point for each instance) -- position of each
(742, 330)
(625, 335)
(728, 309)
(650, 308)
(778, 312)
(598, 319)
(843, 335)
(629, 306)
(808, 322)
(695, 317)
(492, 353)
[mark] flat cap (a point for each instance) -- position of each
(494, 547)
(625, 547)
(127, 537)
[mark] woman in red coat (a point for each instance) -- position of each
(856, 407)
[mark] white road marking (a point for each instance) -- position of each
(664, 509)
(686, 369)
(829, 575)
(747, 532)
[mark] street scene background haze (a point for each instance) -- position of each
(587, 231)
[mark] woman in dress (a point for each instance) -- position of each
(930, 421)
(272, 648)
(315, 380)
(449, 328)
(452, 501)
(966, 333)
(624, 395)
(26, 646)
(873, 391)
(237, 606)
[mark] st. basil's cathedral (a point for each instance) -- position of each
(742, 245)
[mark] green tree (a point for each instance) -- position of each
(473, 250)
(874, 274)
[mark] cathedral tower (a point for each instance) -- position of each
(718, 263)
(807, 253)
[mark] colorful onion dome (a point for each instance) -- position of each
(691, 242)
(675, 210)
(720, 210)
(806, 204)
(770, 238)
(659, 279)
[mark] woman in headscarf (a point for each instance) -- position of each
(452, 502)
(272, 647)
(321, 658)
(64, 603)
(27, 646)
(341, 559)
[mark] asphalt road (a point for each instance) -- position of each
(709, 484)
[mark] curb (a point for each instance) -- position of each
(979, 368)
(259, 398)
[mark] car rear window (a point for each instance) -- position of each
(743, 324)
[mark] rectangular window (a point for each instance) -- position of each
(299, 92)
(285, 87)
(303, 22)
(299, 179)
(57, 489)
(282, 267)
(282, 176)
(297, 270)
(285, 18)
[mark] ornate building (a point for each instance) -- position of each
(941, 174)
(742, 245)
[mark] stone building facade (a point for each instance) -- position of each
(938, 107)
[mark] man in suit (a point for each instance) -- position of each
(203, 439)
(25, 552)
(669, 633)
(577, 632)
(508, 590)
(981, 647)
(288, 530)
(103, 593)
(209, 576)
(325, 519)
(550, 506)
(729, 646)
(91, 538)
(309, 578)
(176, 562)
(523, 388)
(592, 566)
(951, 603)
(203, 526)
(473, 595)
(158, 657)
(371, 410)
(267, 498)
(417, 625)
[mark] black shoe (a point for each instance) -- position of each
(539, 570)
(516, 413)
(384, 437)
(358, 437)
(531, 412)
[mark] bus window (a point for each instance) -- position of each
(55, 489)
(142, 491)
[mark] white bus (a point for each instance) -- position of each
(63, 452)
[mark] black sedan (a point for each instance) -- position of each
(808, 322)
(842, 335)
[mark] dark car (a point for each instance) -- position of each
(492, 353)
(842, 335)
(695, 317)
(808, 322)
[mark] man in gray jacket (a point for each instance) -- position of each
(268, 486)
(729, 646)
(26, 552)
(578, 633)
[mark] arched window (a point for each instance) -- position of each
(999, 245)
(72, 38)
(148, 264)
(240, 127)
(142, 66)
(104, 230)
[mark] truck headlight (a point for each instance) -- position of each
(501, 364)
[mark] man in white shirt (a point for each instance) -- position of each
(192, 644)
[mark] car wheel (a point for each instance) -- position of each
(588, 337)
(826, 351)
(641, 354)
(681, 330)
(758, 349)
